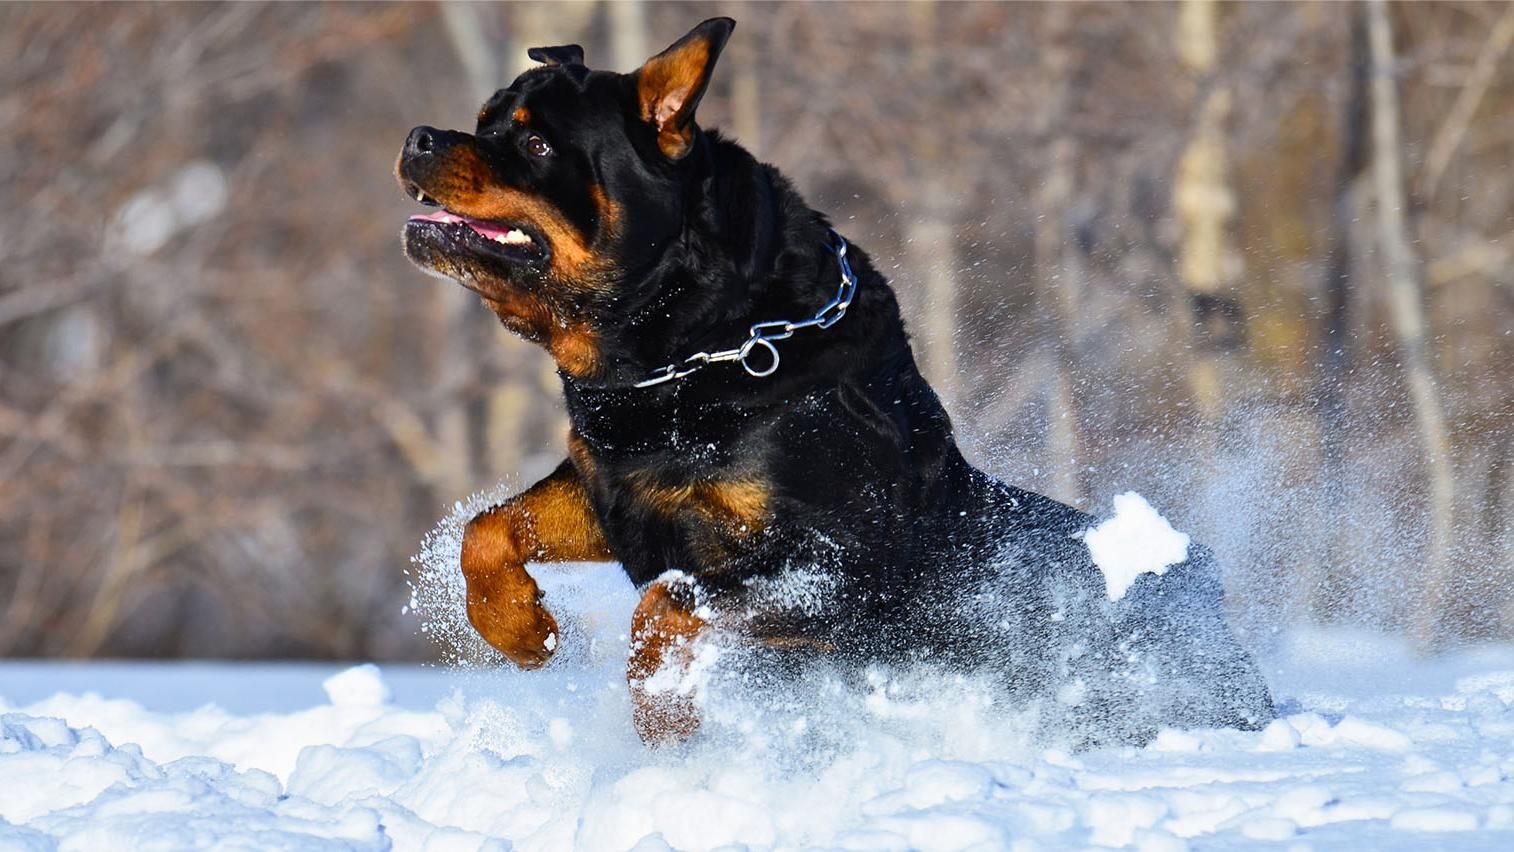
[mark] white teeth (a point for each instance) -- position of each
(515, 238)
(420, 196)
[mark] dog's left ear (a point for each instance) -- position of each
(562, 54)
(671, 83)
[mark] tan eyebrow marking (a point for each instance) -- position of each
(521, 115)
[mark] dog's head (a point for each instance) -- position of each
(568, 187)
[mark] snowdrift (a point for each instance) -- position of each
(1374, 750)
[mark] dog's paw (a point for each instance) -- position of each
(522, 630)
(662, 719)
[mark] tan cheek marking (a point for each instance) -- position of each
(609, 211)
(466, 188)
(744, 502)
(523, 315)
(664, 499)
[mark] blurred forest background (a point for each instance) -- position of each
(1252, 260)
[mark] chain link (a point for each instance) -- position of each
(764, 334)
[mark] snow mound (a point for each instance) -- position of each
(359, 686)
(1136, 541)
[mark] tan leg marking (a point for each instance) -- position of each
(663, 630)
(551, 521)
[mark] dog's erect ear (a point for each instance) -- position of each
(671, 83)
(562, 54)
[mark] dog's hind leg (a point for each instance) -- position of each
(552, 521)
(664, 630)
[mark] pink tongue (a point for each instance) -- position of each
(488, 231)
(439, 216)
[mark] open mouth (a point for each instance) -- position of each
(514, 241)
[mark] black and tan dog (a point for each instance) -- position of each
(818, 504)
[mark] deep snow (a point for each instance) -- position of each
(1374, 749)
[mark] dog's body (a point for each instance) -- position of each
(823, 509)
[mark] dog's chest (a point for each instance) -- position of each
(733, 506)
(688, 508)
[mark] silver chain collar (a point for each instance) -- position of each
(764, 334)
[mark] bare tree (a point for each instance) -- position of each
(229, 408)
(1324, 586)
(1059, 267)
(930, 234)
(1205, 203)
(1410, 326)
(629, 46)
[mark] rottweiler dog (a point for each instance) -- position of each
(750, 436)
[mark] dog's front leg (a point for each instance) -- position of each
(663, 633)
(551, 521)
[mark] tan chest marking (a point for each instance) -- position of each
(738, 505)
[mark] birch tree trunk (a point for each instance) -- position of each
(1059, 271)
(930, 236)
(460, 419)
(628, 34)
(1207, 261)
(1406, 313)
(746, 111)
(1323, 588)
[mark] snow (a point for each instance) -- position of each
(359, 686)
(1136, 541)
(1374, 749)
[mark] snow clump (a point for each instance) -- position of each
(1136, 541)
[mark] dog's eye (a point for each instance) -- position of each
(538, 146)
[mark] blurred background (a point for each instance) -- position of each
(1252, 260)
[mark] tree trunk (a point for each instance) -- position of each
(1324, 586)
(480, 59)
(1410, 326)
(1454, 129)
(459, 419)
(1059, 271)
(628, 34)
(1208, 263)
(930, 235)
(746, 110)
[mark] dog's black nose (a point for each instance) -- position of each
(422, 140)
